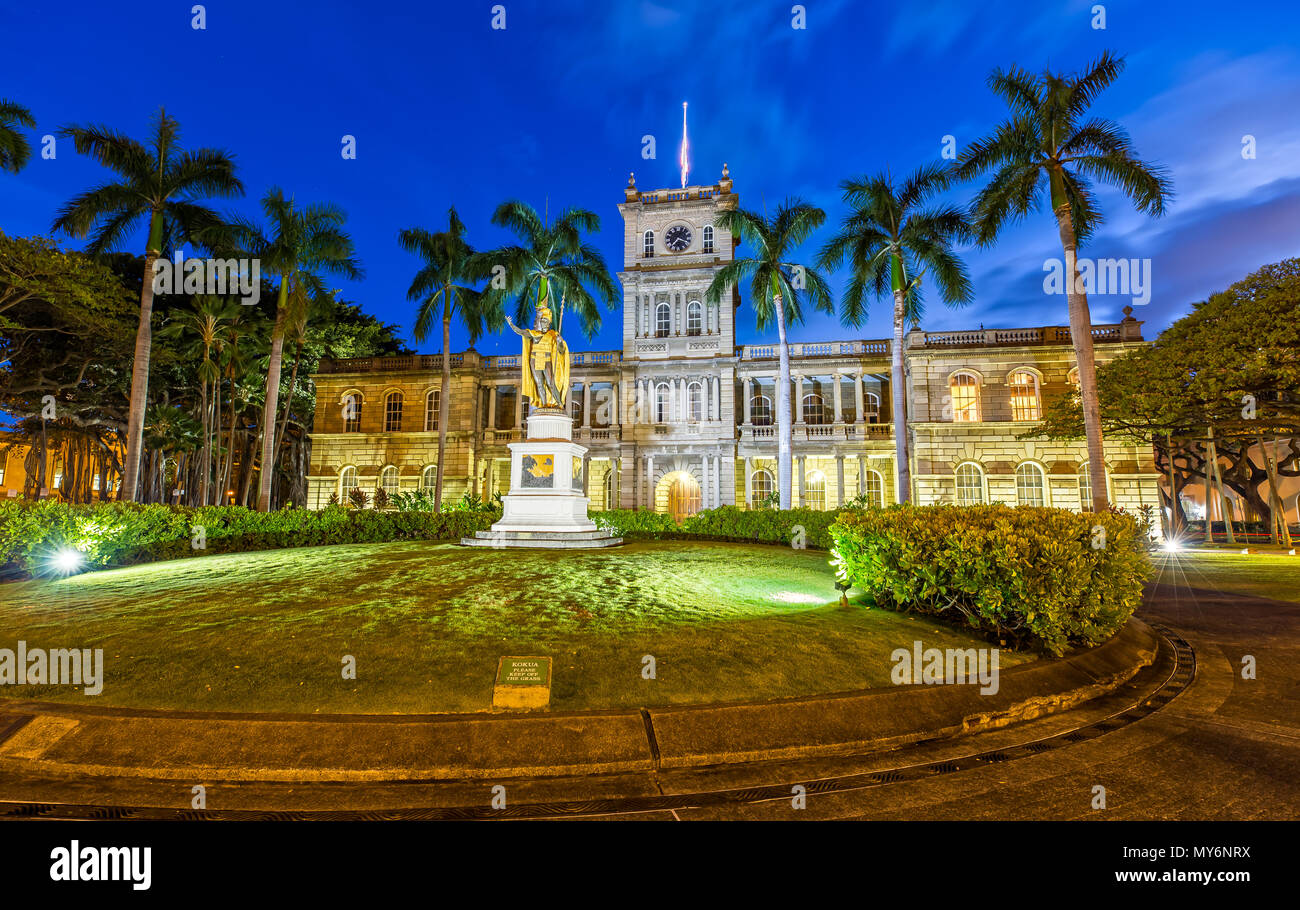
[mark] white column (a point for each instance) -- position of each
(798, 399)
(749, 481)
(862, 474)
(839, 480)
(519, 406)
(803, 494)
(650, 482)
(492, 407)
(717, 398)
(749, 386)
(705, 499)
(586, 405)
(717, 481)
(838, 398)
(857, 395)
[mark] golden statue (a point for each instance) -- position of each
(545, 364)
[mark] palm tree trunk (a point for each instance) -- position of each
(1085, 360)
(288, 402)
(227, 472)
(444, 397)
(205, 455)
(784, 430)
(272, 401)
(140, 367)
(897, 379)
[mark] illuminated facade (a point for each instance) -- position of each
(683, 418)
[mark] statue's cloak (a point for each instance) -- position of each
(551, 342)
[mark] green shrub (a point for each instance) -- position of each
(1044, 577)
(724, 523)
(112, 534)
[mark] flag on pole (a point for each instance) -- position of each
(685, 160)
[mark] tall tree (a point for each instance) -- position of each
(160, 182)
(201, 329)
(444, 284)
(1049, 150)
(890, 242)
(15, 150)
(553, 257)
(296, 244)
(777, 286)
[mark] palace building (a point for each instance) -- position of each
(682, 418)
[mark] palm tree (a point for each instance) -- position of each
(162, 182)
(776, 287)
(890, 242)
(444, 279)
(298, 243)
(15, 150)
(1047, 148)
(202, 327)
(553, 257)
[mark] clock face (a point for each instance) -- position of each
(677, 238)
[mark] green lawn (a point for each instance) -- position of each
(427, 622)
(1276, 577)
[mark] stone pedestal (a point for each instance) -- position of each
(546, 506)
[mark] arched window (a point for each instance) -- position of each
(874, 488)
(1085, 488)
(429, 478)
(814, 409)
(352, 412)
(663, 409)
(648, 244)
(1031, 485)
(760, 411)
(871, 407)
(389, 481)
(694, 318)
(970, 485)
(431, 402)
(1024, 395)
(347, 482)
(708, 238)
(393, 412)
(760, 488)
(964, 388)
(814, 490)
(695, 401)
(1073, 378)
(663, 320)
(608, 492)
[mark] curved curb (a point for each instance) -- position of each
(193, 746)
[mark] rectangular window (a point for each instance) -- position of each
(431, 410)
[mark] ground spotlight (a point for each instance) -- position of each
(66, 561)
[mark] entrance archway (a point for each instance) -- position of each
(681, 494)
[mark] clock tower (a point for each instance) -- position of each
(678, 370)
(672, 248)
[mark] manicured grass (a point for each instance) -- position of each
(1276, 577)
(427, 623)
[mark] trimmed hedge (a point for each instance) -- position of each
(725, 523)
(1037, 576)
(115, 534)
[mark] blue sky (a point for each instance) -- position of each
(446, 110)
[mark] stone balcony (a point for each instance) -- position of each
(817, 433)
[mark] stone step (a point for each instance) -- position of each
(543, 535)
(553, 542)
